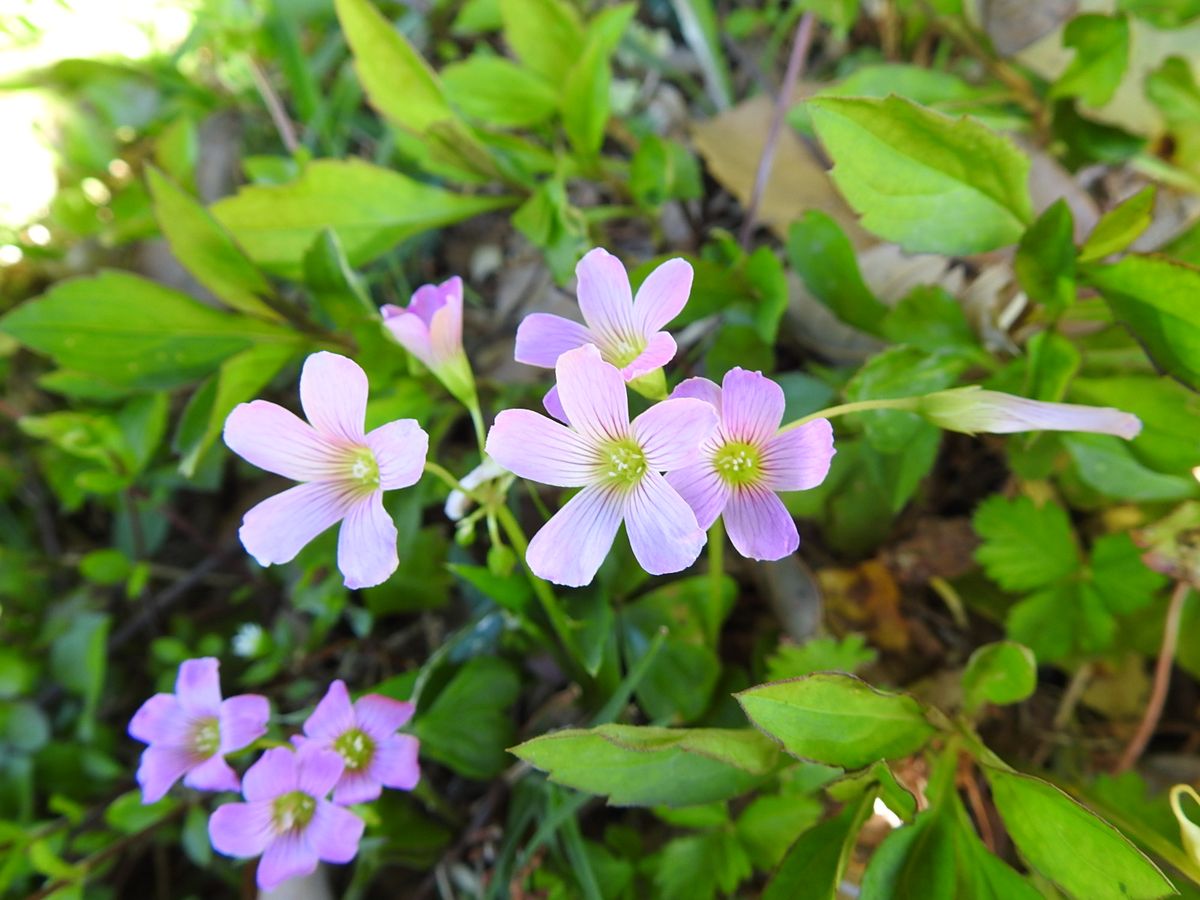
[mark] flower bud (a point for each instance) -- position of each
(973, 409)
(430, 328)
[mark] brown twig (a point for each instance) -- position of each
(279, 116)
(795, 66)
(1162, 680)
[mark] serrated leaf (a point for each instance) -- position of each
(825, 654)
(1101, 45)
(1123, 581)
(1063, 620)
(1025, 546)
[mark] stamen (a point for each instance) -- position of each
(622, 462)
(738, 463)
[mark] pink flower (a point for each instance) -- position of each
(190, 731)
(627, 330)
(286, 817)
(364, 736)
(747, 459)
(617, 464)
(344, 471)
(431, 330)
(972, 410)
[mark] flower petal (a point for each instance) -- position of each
(751, 406)
(400, 449)
(356, 787)
(662, 528)
(277, 529)
(593, 395)
(410, 331)
(367, 543)
(699, 389)
(571, 546)
(243, 720)
(198, 686)
(759, 525)
(380, 716)
(799, 459)
(702, 489)
(276, 772)
(320, 769)
(662, 295)
(540, 449)
(604, 297)
(214, 774)
(554, 406)
(445, 327)
(333, 392)
(287, 856)
(659, 350)
(334, 833)
(396, 764)
(671, 432)
(241, 829)
(160, 720)
(333, 716)
(542, 338)
(272, 438)
(160, 768)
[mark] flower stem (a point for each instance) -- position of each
(903, 403)
(449, 480)
(480, 431)
(716, 566)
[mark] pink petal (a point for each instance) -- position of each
(198, 686)
(542, 338)
(268, 436)
(367, 544)
(659, 350)
(662, 295)
(972, 410)
(380, 716)
(160, 720)
(274, 774)
(427, 300)
(571, 546)
(799, 459)
(333, 392)
(277, 529)
(320, 769)
(604, 296)
(535, 447)
(288, 856)
(400, 449)
(445, 327)
(699, 389)
(396, 764)
(241, 829)
(593, 395)
(759, 525)
(214, 774)
(662, 528)
(751, 406)
(672, 431)
(702, 490)
(333, 716)
(160, 768)
(356, 787)
(554, 406)
(334, 833)
(243, 720)
(410, 332)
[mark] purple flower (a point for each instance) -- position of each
(345, 471)
(431, 330)
(617, 464)
(286, 817)
(364, 736)
(747, 459)
(627, 330)
(972, 410)
(190, 731)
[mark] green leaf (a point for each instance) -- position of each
(813, 867)
(129, 815)
(663, 170)
(23, 726)
(206, 250)
(468, 726)
(825, 654)
(546, 35)
(1106, 464)
(1025, 546)
(79, 661)
(1162, 13)
(900, 372)
(499, 92)
(1062, 620)
(1000, 673)
(1156, 299)
(134, 332)
(585, 100)
(1170, 414)
(369, 208)
(698, 23)
(770, 824)
(1101, 47)
(1172, 88)
(1070, 845)
(840, 14)
(837, 719)
(648, 766)
(1120, 227)
(1053, 362)
(1123, 581)
(914, 861)
(698, 866)
(931, 319)
(823, 256)
(928, 182)
(336, 287)
(1045, 261)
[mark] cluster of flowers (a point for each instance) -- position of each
(352, 750)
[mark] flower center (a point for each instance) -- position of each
(622, 351)
(623, 462)
(738, 463)
(292, 811)
(356, 748)
(206, 736)
(362, 469)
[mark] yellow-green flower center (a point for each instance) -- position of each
(622, 462)
(356, 749)
(738, 463)
(362, 469)
(206, 736)
(622, 351)
(292, 811)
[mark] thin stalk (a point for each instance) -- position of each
(716, 564)
(480, 431)
(904, 403)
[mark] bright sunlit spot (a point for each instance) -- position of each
(881, 809)
(10, 254)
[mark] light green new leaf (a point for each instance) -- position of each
(1045, 260)
(585, 101)
(499, 92)
(1120, 227)
(1025, 546)
(369, 208)
(837, 719)
(647, 766)
(1000, 673)
(1071, 845)
(1101, 47)
(919, 178)
(546, 35)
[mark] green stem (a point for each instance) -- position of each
(480, 431)
(716, 568)
(449, 480)
(905, 403)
